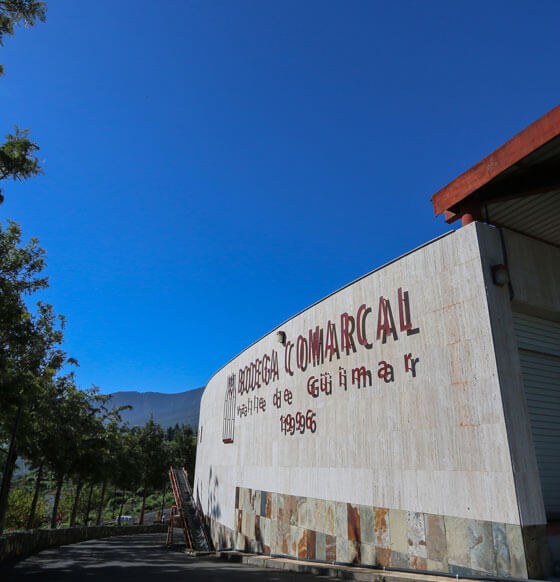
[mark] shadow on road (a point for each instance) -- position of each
(140, 558)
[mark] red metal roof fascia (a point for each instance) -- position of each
(525, 142)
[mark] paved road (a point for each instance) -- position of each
(142, 558)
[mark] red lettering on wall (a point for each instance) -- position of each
(313, 387)
(385, 371)
(274, 366)
(346, 330)
(361, 376)
(302, 353)
(331, 343)
(363, 312)
(288, 358)
(316, 354)
(410, 364)
(385, 321)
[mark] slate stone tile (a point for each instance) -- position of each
(417, 563)
(281, 509)
(330, 548)
(457, 538)
(265, 524)
(416, 534)
(249, 529)
(258, 535)
(399, 560)
(368, 554)
(353, 523)
(256, 501)
(435, 538)
(354, 551)
(290, 508)
(383, 557)
(306, 544)
(268, 508)
(481, 545)
(262, 509)
(274, 504)
(303, 512)
(342, 549)
(367, 519)
(434, 566)
(320, 546)
(276, 536)
(330, 518)
(244, 518)
(382, 534)
(516, 567)
(398, 531)
(292, 540)
(459, 570)
(318, 515)
(341, 520)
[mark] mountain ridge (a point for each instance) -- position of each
(167, 409)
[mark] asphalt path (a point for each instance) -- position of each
(142, 558)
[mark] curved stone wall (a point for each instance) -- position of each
(370, 427)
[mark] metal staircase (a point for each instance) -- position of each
(186, 514)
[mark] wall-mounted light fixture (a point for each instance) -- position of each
(500, 275)
(281, 337)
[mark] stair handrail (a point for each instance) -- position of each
(198, 513)
(179, 504)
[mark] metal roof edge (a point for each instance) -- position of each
(515, 149)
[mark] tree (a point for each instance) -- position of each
(19, 12)
(16, 154)
(153, 470)
(29, 342)
(16, 157)
(183, 449)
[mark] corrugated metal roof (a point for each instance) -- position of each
(537, 215)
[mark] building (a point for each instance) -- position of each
(412, 418)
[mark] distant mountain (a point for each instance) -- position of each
(168, 409)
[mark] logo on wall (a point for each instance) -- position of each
(229, 411)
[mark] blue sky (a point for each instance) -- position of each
(214, 167)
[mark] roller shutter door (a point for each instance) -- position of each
(538, 341)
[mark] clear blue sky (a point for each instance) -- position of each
(213, 167)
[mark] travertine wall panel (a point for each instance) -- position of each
(431, 467)
(432, 442)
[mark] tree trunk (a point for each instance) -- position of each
(144, 494)
(38, 480)
(76, 501)
(88, 508)
(8, 471)
(56, 501)
(100, 508)
(123, 499)
(163, 498)
(114, 503)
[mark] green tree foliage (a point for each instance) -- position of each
(17, 13)
(17, 160)
(19, 505)
(182, 441)
(30, 353)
